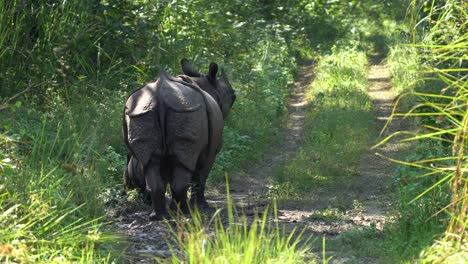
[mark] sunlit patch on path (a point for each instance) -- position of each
(374, 170)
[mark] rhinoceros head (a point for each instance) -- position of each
(220, 89)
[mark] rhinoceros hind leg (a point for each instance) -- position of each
(133, 176)
(181, 178)
(198, 187)
(156, 187)
(198, 196)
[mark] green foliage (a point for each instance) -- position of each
(417, 222)
(405, 66)
(376, 37)
(319, 24)
(62, 153)
(369, 243)
(433, 188)
(420, 220)
(261, 106)
(46, 214)
(339, 103)
(328, 215)
(116, 46)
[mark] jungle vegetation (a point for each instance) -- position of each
(66, 68)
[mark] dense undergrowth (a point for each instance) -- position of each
(427, 60)
(229, 236)
(433, 187)
(67, 67)
(62, 155)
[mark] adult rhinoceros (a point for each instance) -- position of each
(173, 129)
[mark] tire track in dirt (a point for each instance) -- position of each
(250, 188)
(374, 172)
(372, 187)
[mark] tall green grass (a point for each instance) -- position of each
(234, 238)
(337, 126)
(405, 66)
(48, 210)
(90, 65)
(434, 184)
(84, 57)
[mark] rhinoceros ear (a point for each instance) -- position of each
(212, 71)
(188, 69)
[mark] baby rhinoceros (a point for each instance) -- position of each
(173, 130)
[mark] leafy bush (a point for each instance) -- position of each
(80, 59)
(78, 62)
(419, 220)
(405, 66)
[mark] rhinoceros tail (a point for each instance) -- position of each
(133, 173)
(134, 177)
(163, 77)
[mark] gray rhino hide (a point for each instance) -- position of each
(172, 117)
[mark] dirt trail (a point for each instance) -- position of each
(250, 189)
(374, 172)
(369, 190)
